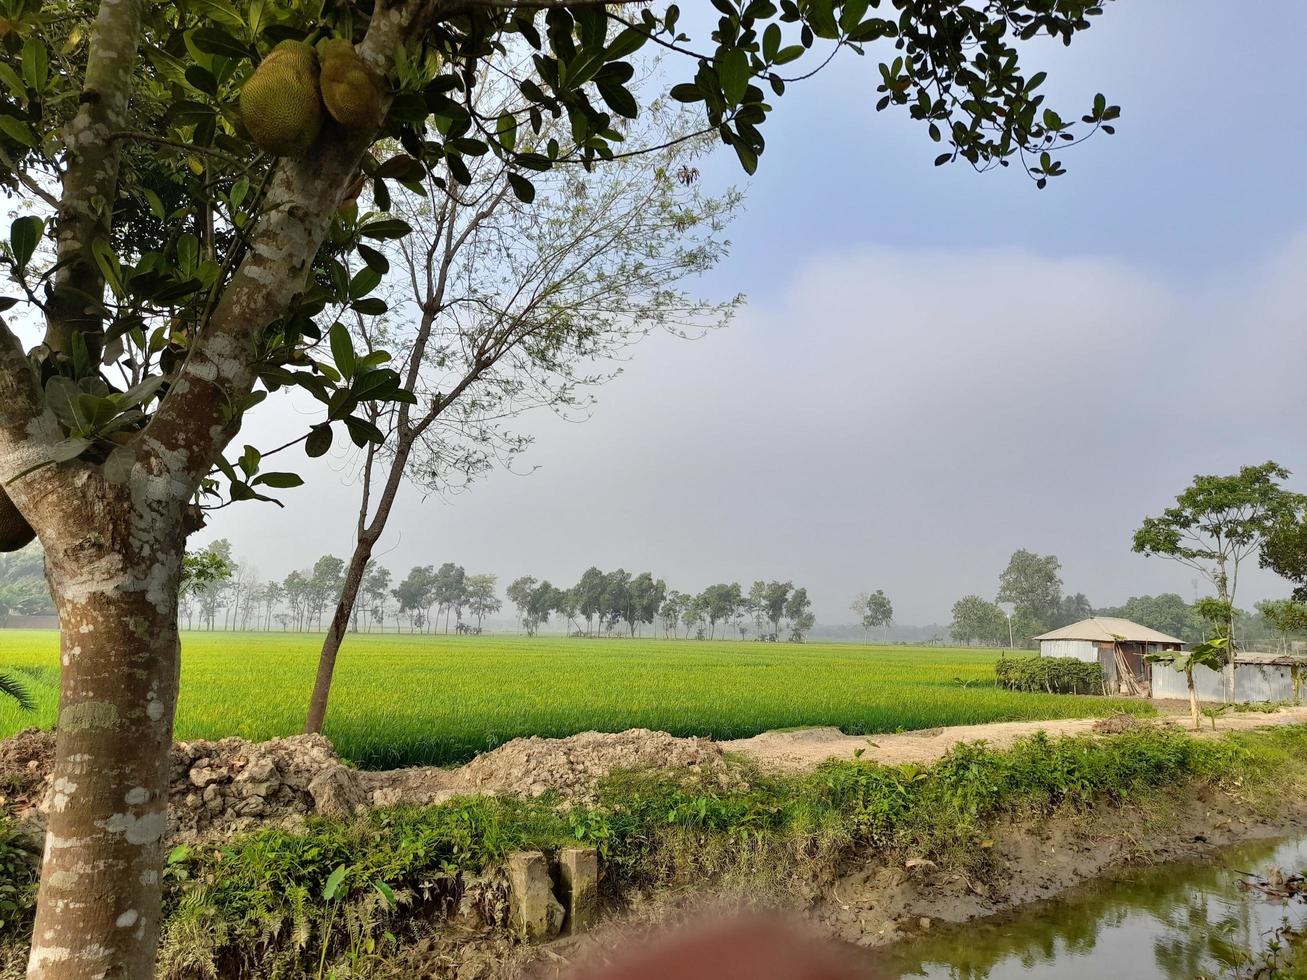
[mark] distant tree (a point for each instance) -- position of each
(325, 582)
(718, 604)
(692, 616)
(590, 593)
(756, 603)
(376, 589)
(1218, 522)
(873, 609)
(519, 594)
(1072, 609)
(1284, 551)
(978, 620)
(1167, 612)
(295, 588)
(615, 601)
(544, 601)
(205, 573)
(1032, 584)
(416, 594)
(672, 609)
(645, 597)
(1285, 616)
(798, 610)
(775, 597)
(482, 598)
(273, 593)
(209, 592)
(566, 604)
(447, 591)
(23, 587)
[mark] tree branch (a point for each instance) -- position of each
(202, 410)
(90, 183)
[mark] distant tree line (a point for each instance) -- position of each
(602, 602)
(219, 592)
(23, 589)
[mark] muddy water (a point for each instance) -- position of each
(1172, 922)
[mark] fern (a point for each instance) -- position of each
(10, 686)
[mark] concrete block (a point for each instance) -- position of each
(534, 914)
(578, 872)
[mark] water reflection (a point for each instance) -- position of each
(1174, 922)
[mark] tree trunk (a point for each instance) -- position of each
(1193, 697)
(336, 635)
(98, 909)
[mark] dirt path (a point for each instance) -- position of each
(809, 747)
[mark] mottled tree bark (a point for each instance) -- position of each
(98, 906)
(114, 531)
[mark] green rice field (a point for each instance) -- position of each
(413, 699)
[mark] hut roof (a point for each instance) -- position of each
(1105, 629)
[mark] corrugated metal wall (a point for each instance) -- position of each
(1085, 650)
(1252, 682)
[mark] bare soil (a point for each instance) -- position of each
(809, 747)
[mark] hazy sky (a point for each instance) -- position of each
(935, 367)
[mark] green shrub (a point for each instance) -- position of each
(19, 859)
(1055, 675)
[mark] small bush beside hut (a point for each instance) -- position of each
(1056, 675)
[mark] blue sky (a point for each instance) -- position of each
(936, 367)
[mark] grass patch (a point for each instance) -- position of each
(423, 700)
(351, 890)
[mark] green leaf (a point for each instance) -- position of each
(342, 350)
(386, 892)
(36, 64)
(280, 481)
(372, 306)
(107, 260)
(362, 432)
(523, 189)
(319, 440)
(332, 886)
(686, 92)
(363, 282)
(214, 40)
(385, 228)
(24, 234)
(17, 130)
(373, 258)
(733, 68)
(506, 130)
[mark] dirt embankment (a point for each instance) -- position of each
(231, 785)
(809, 747)
(228, 786)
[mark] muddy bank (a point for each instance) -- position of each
(874, 903)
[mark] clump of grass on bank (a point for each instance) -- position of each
(289, 901)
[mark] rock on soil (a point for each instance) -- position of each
(220, 788)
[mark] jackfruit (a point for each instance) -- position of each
(14, 529)
(349, 88)
(281, 105)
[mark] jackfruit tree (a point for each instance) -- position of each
(195, 182)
